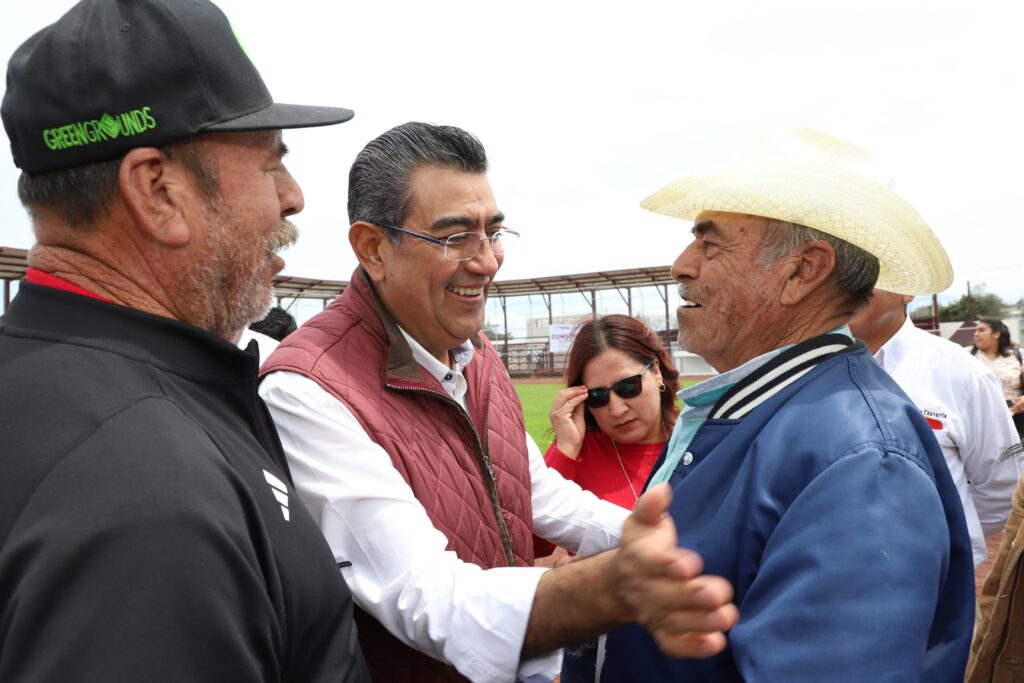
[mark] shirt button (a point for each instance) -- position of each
(448, 376)
(687, 458)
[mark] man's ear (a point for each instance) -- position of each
(371, 248)
(806, 270)
(154, 192)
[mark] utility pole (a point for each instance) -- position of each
(969, 304)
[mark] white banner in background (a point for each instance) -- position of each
(560, 337)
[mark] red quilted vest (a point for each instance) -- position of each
(470, 471)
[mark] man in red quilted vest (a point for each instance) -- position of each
(406, 441)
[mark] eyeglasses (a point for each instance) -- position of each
(463, 246)
(630, 387)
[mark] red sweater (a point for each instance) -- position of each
(597, 470)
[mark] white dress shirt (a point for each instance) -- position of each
(266, 344)
(963, 402)
(401, 574)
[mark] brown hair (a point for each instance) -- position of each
(636, 340)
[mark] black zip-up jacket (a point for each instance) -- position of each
(148, 526)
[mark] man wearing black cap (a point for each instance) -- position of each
(148, 523)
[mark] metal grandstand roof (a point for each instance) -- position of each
(288, 287)
(584, 282)
(307, 288)
(13, 264)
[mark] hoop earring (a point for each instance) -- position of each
(662, 388)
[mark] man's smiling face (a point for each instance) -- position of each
(438, 301)
(729, 296)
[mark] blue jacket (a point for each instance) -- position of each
(830, 509)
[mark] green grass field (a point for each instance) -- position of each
(537, 400)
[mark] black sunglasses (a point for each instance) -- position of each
(629, 387)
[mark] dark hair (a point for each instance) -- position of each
(1005, 343)
(276, 324)
(636, 340)
(378, 182)
(855, 272)
(82, 194)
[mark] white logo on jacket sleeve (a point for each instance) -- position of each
(280, 492)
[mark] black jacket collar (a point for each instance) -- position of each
(45, 313)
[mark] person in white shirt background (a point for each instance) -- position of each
(963, 403)
(995, 349)
(405, 338)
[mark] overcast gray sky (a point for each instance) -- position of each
(586, 108)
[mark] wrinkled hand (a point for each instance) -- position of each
(662, 584)
(567, 420)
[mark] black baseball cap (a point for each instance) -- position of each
(112, 75)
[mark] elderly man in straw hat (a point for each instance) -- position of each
(802, 473)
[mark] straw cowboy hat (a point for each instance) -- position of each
(820, 181)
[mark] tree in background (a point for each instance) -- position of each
(977, 304)
(921, 313)
(493, 334)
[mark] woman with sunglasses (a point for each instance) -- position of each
(617, 410)
(610, 424)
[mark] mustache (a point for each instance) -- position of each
(683, 291)
(285, 236)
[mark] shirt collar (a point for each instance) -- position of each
(892, 352)
(461, 356)
(39, 277)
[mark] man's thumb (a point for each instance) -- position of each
(652, 505)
